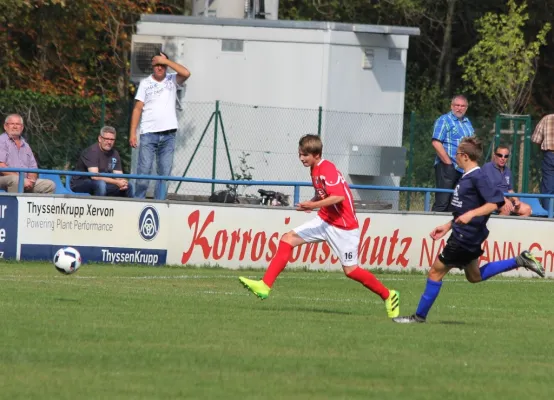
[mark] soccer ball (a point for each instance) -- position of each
(67, 260)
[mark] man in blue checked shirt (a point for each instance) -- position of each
(448, 132)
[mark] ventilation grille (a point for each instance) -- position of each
(367, 58)
(142, 57)
(234, 45)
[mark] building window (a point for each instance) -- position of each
(395, 54)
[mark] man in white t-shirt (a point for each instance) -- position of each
(155, 109)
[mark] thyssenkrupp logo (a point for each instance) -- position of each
(149, 223)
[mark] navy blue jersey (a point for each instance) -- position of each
(498, 177)
(472, 191)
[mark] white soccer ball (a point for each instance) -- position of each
(67, 260)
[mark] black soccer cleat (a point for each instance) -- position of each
(409, 319)
(529, 262)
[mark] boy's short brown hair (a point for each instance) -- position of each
(311, 144)
(472, 147)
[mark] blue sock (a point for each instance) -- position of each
(497, 267)
(428, 297)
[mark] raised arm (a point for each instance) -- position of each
(182, 72)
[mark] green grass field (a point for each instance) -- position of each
(113, 332)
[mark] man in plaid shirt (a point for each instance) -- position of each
(448, 132)
(544, 135)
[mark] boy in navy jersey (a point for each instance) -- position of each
(335, 223)
(474, 199)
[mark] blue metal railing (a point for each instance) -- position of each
(296, 185)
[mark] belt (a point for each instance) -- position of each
(165, 132)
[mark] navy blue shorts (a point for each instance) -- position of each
(455, 255)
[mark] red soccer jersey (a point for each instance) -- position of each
(328, 181)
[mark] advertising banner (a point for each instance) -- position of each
(8, 227)
(158, 233)
(112, 231)
(235, 237)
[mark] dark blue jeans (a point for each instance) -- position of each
(446, 177)
(101, 188)
(547, 181)
(158, 146)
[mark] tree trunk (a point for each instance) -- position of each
(123, 87)
(443, 68)
(5, 54)
(448, 72)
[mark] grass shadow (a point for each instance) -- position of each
(451, 322)
(313, 310)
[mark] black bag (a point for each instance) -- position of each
(271, 198)
(223, 196)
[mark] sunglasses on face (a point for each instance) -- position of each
(502, 155)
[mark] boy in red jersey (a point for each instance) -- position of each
(335, 223)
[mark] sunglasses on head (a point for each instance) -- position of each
(501, 155)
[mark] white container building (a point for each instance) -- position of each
(355, 73)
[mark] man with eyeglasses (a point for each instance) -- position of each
(500, 176)
(103, 158)
(448, 132)
(544, 136)
(155, 109)
(15, 152)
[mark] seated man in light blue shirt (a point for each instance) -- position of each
(15, 152)
(501, 176)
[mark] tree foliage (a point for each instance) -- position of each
(82, 47)
(68, 50)
(501, 65)
(57, 127)
(65, 69)
(77, 47)
(448, 32)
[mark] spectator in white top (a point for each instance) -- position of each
(155, 109)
